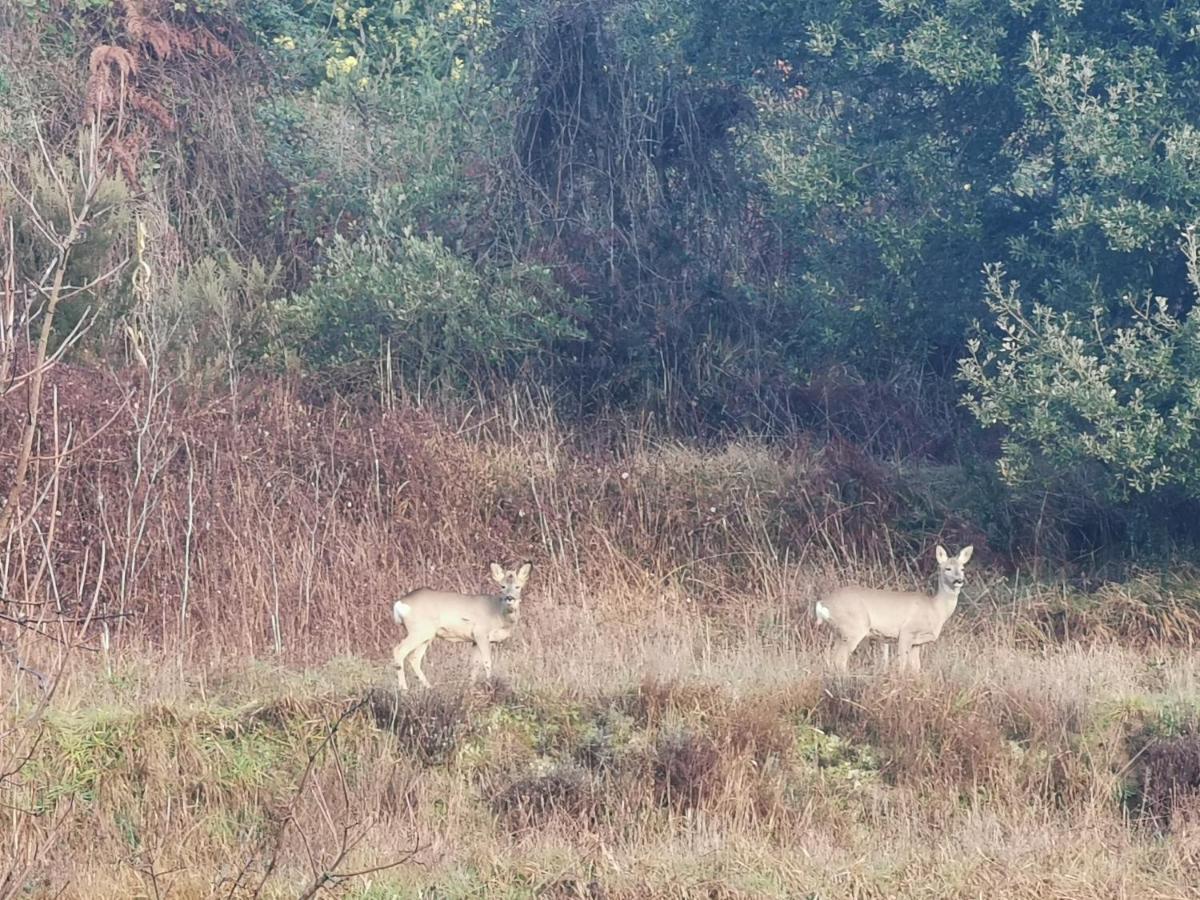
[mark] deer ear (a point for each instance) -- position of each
(497, 573)
(523, 574)
(964, 555)
(941, 553)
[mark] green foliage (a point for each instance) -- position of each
(56, 193)
(415, 308)
(382, 100)
(86, 747)
(222, 313)
(1076, 392)
(905, 144)
(250, 759)
(838, 759)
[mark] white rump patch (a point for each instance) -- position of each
(400, 610)
(822, 612)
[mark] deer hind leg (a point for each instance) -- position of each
(418, 657)
(400, 653)
(906, 653)
(845, 645)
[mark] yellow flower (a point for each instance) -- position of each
(285, 42)
(338, 67)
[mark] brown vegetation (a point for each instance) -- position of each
(120, 93)
(663, 726)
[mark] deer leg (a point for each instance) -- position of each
(842, 650)
(418, 657)
(483, 658)
(885, 653)
(903, 650)
(400, 653)
(914, 659)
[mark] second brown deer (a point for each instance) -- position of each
(909, 618)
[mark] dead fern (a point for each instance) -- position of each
(210, 44)
(118, 94)
(152, 109)
(111, 69)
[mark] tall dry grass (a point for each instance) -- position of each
(265, 524)
(662, 724)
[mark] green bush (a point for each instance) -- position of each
(1073, 392)
(223, 315)
(425, 314)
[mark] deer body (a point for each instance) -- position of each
(910, 618)
(479, 619)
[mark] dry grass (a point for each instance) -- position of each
(999, 772)
(662, 724)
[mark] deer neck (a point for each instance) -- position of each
(508, 612)
(946, 599)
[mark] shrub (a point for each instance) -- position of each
(416, 312)
(688, 769)
(922, 730)
(1113, 395)
(430, 724)
(533, 798)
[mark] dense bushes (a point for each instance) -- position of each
(683, 208)
(418, 313)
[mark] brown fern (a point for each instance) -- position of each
(112, 56)
(99, 95)
(116, 78)
(110, 71)
(161, 36)
(209, 43)
(168, 40)
(150, 107)
(126, 159)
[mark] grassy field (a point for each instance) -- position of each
(678, 756)
(225, 724)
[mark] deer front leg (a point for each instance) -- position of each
(483, 658)
(845, 645)
(914, 659)
(904, 649)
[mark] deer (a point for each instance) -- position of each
(480, 619)
(910, 618)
